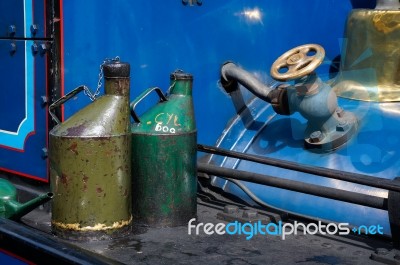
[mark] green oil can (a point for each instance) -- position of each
(90, 169)
(11, 208)
(164, 181)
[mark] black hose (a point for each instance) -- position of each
(319, 171)
(293, 185)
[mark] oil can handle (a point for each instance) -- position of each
(62, 100)
(141, 97)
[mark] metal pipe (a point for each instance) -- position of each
(232, 73)
(319, 171)
(307, 188)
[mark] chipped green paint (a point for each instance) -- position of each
(164, 180)
(90, 164)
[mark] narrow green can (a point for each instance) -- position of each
(90, 170)
(164, 181)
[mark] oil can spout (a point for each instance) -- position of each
(15, 210)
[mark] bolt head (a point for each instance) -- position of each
(34, 29)
(13, 48)
(42, 48)
(342, 126)
(12, 29)
(340, 112)
(35, 48)
(316, 137)
(381, 251)
(231, 209)
(251, 214)
(44, 99)
(45, 153)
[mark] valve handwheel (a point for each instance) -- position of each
(297, 62)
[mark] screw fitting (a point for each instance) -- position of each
(316, 137)
(231, 209)
(250, 214)
(34, 29)
(342, 126)
(12, 29)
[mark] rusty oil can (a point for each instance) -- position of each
(90, 163)
(164, 139)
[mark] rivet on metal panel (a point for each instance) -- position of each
(13, 48)
(192, 2)
(44, 100)
(45, 153)
(34, 29)
(12, 29)
(35, 48)
(42, 48)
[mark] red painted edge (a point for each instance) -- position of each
(23, 174)
(17, 257)
(47, 96)
(62, 54)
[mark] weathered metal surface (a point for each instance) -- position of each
(90, 165)
(11, 208)
(164, 179)
(164, 159)
(369, 67)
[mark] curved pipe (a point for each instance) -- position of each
(231, 74)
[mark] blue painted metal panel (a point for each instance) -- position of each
(157, 37)
(23, 127)
(23, 130)
(12, 13)
(7, 259)
(38, 19)
(12, 102)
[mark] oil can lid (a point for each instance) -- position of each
(116, 69)
(180, 75)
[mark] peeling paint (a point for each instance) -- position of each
(96, 227)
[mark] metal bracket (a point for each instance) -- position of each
(234, 213)
(192, 2)
(385, 256)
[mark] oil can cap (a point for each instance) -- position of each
(181, 75)
(116, 69)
